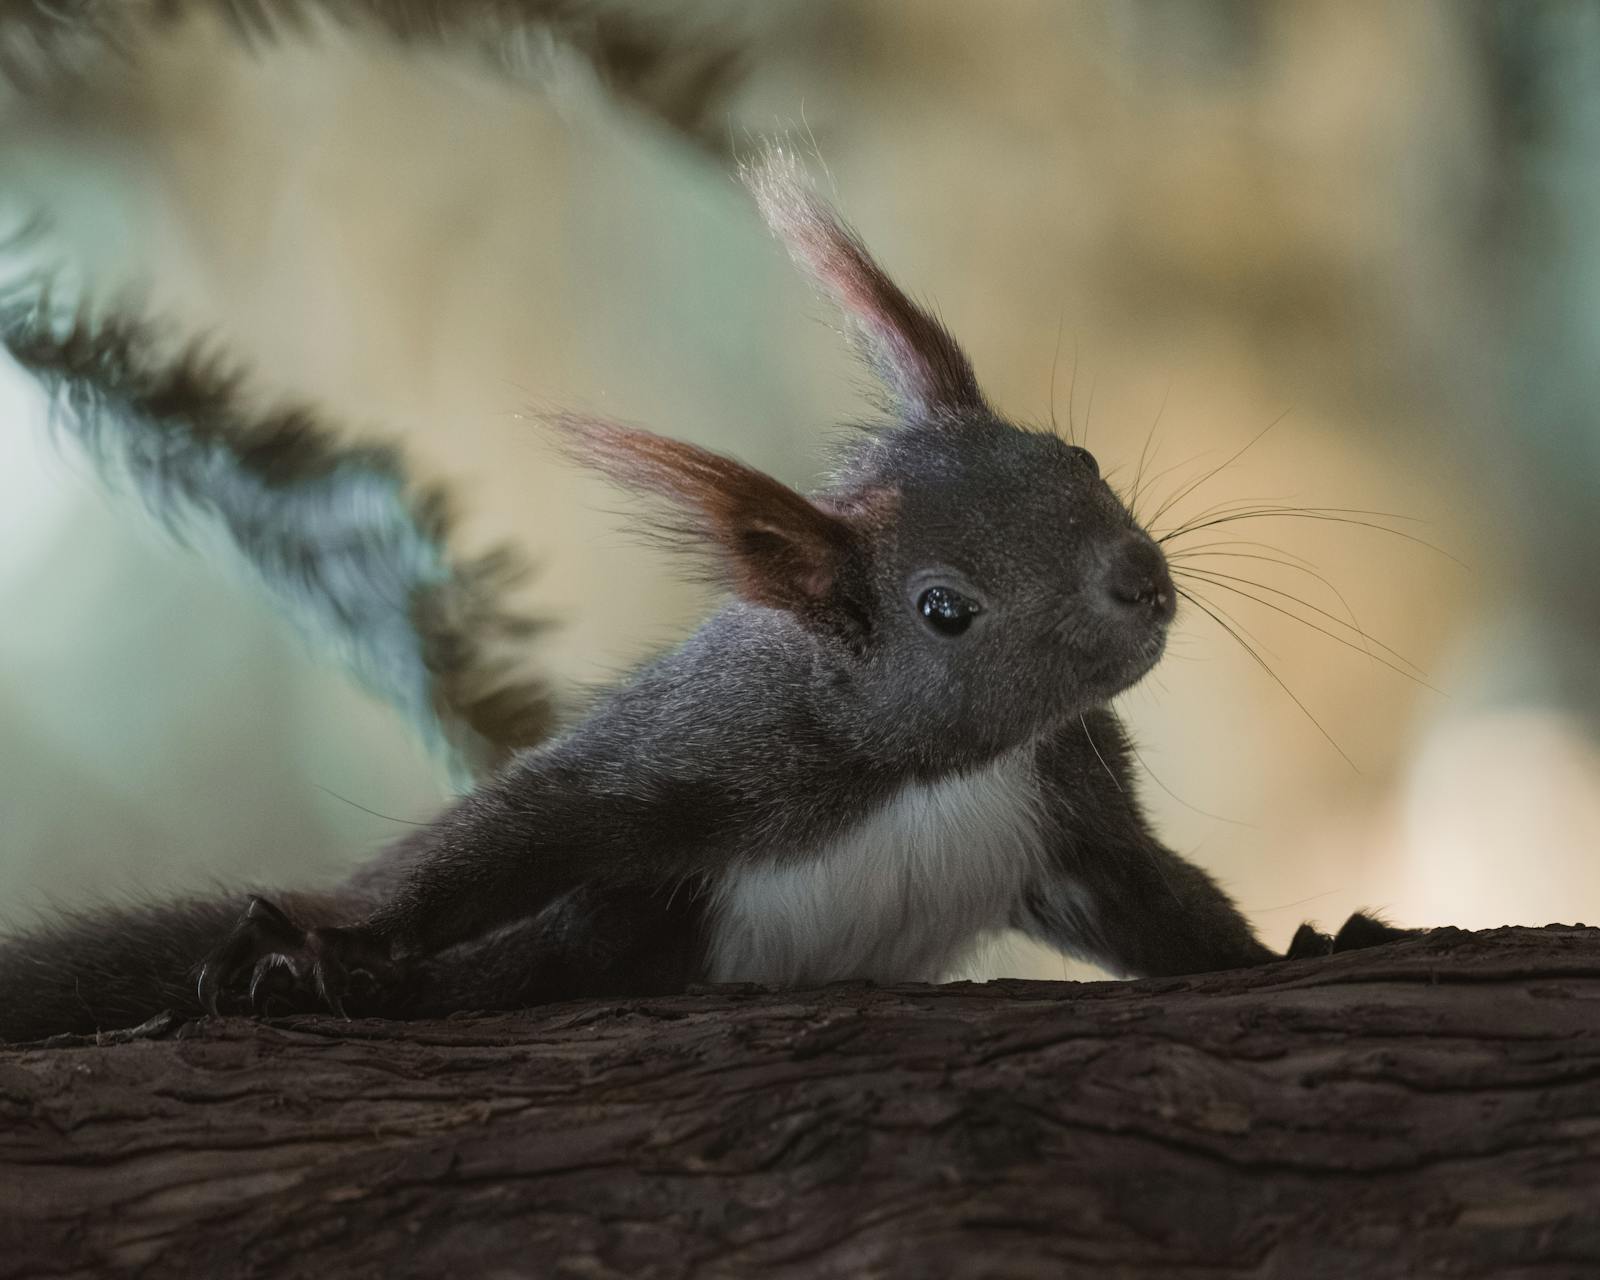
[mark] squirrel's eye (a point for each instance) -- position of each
(947, 612)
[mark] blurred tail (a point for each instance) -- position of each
(667, 65)
(114, 968)
(349, 547)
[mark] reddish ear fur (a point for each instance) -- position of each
(923, 368)
(779, 548)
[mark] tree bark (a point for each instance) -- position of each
(1427, 1107)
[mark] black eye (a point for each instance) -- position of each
(947, 612)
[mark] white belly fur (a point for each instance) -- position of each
(901, 897)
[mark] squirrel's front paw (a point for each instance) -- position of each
(1359, 931)
(268, 964)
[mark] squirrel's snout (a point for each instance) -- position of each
(1137, 580)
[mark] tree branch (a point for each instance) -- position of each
(1431, 1106)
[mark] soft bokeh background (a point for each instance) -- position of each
(1375, 219)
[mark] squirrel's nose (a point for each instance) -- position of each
(1136, 578)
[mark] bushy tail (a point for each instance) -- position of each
(347, 544)
(116, 967)
(677, 70)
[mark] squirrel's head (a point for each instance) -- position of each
(979, 580)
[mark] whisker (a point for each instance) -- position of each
(1227, 506)
(1298, 902)
(1223, 581)
(1249, 542)
(1138, 475)
(1241, 506)
(1276, 678)
(1234, 505)
(1217, 817)
(1283, 560)
(1171, 467)
(1072, 393)
(1313, 514)
(1296, 564)
(1090, 739)
(1225, 463)
(1055, 364)
(1350, 624)
(1230, 507)
(1260, 644)
(387, 817)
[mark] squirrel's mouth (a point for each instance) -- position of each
(1127, 651)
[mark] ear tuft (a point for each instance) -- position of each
(777, 547)
(925, 371)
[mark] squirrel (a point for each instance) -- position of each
(893, 741)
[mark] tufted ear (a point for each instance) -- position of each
(775, 546)
(925, 372)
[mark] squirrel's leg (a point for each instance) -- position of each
(1139, 910)
(1362, 929)
(513, 852)
(1113, 894)
(107, 969)
(503, 854)
(594, 941)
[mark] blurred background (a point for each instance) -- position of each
(1173, 222)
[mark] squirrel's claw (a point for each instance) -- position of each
(269, 964)
(350, 967)
(263, 941)
(1361, 930)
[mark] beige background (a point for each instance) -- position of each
(1235, 210)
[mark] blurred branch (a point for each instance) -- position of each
(1426, 1107)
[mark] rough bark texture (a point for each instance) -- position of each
(1431, 1107)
